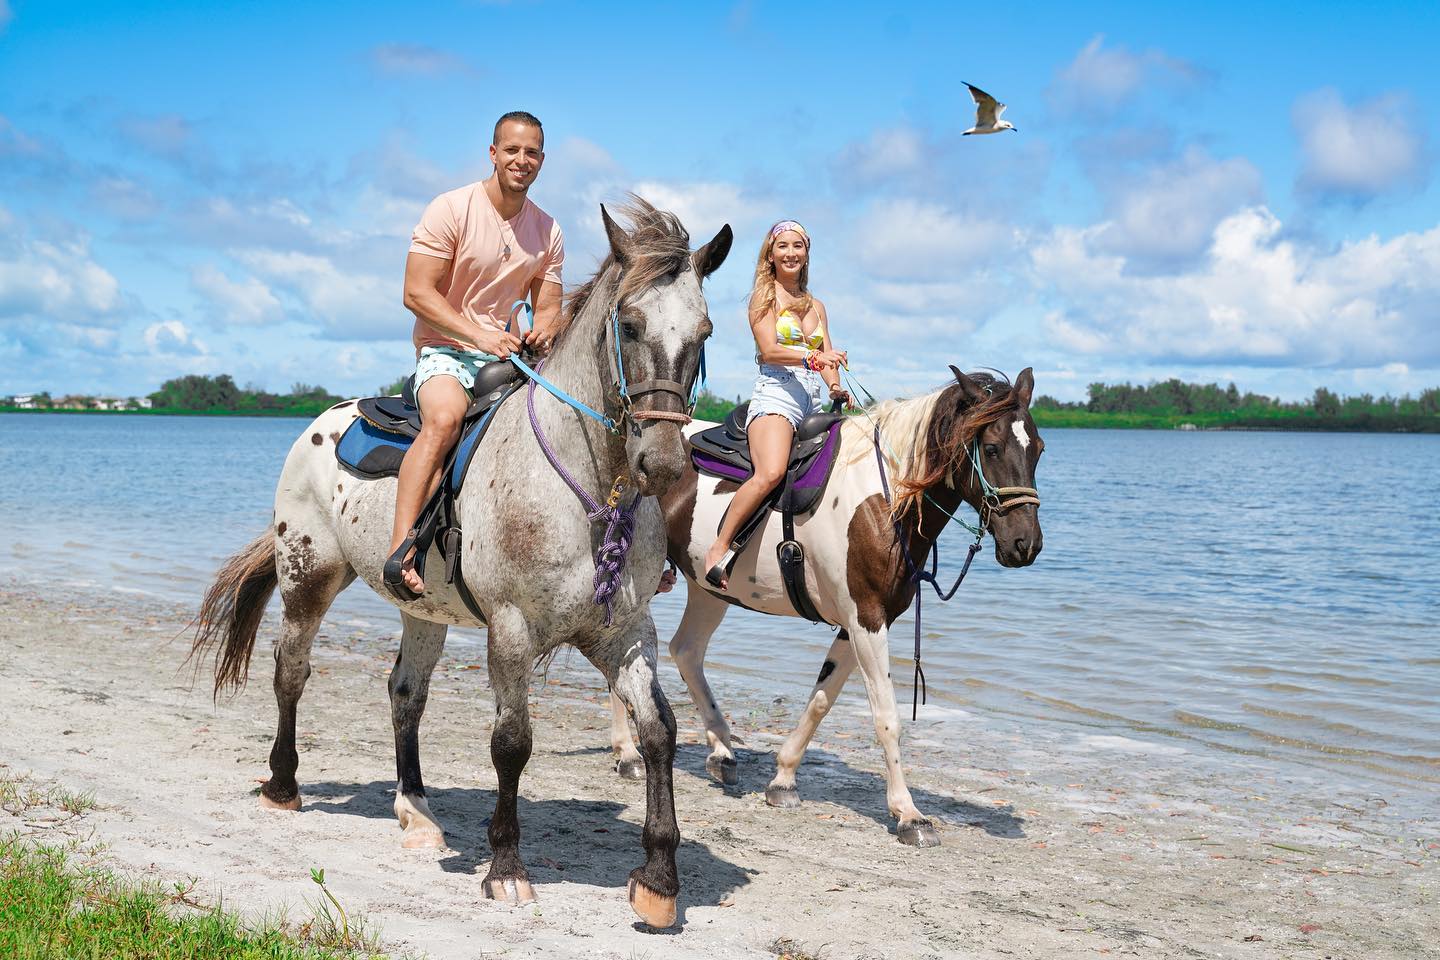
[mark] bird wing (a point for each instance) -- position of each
(999, 111)
(985, 107)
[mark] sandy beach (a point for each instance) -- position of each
(1055, 845)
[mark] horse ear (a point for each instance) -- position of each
(1025, 386)
(708, 258)
(619, 240)
(971, 390)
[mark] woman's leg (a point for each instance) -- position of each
(770, 440)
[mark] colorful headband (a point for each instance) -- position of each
(784, 225)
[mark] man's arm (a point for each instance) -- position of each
(545, 297)
(423, 276)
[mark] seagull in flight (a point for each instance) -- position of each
(987, 113)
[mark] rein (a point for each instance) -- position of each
(619, 518)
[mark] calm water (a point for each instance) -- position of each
(1271, 594)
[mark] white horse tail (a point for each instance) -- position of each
(230, 616)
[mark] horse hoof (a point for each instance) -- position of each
(423, 838)
(515, 892)
(630, 769)
(723, 769)
(919, 833)
(653, 909)
(292, 804)
(782, 796)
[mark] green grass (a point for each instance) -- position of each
(53, 905)
(19, 793)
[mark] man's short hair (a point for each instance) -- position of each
(529, 119)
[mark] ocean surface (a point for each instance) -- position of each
(1271, 596)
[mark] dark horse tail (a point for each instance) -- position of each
(230, 616)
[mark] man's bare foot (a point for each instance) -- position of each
(408, 576)
(667, 581)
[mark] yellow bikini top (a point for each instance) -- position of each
(789, 334)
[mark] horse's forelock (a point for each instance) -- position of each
(658, 246)
(953, 427)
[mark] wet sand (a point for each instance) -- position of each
(1056, 844)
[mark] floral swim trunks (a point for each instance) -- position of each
(463, 365)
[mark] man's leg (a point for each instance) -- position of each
(443, 402)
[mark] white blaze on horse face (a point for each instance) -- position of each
(1017, 427)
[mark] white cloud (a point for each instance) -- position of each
(702, 207)
(172, 337)
(414, 58)
(246, 302)
(1101, 79)
(910, 239)
(888, 153)
(1170, 214)
(349, 304)
(1258, 298)
(44, 280)
(1357, 152)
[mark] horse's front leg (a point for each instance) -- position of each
(510, 654)
(873, 654)
(420, 646)
(839, 663)
(654, 885)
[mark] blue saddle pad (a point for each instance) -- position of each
(372, 451)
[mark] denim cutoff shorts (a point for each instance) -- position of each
(463, 365)
(792, 392)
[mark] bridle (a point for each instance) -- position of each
(626, 391)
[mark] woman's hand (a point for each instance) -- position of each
(830, 359)
(838, 392)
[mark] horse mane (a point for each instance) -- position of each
(931, 435)
(659, 247)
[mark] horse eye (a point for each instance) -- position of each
(991, 450)
(631, 333)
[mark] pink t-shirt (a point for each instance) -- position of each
(492, 261)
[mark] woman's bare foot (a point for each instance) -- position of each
(711, 565)
(667, 581)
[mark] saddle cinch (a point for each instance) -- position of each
(375, 443)
(724, 452)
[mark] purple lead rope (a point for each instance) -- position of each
(619, 520)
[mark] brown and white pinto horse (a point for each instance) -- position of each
(855, 570)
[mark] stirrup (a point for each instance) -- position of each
(393, 575)
(717, 575)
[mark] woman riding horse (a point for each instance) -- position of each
(797, 362)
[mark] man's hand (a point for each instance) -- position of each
(540, 340)
(501, 343)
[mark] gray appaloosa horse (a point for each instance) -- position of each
(528, 550)
(937, 448)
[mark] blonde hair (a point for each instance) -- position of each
(762, 292)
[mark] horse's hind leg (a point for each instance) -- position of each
(839, 663)
(654, 885)
(510, 654)
(420, 646)
(308, 585)
(628, 762)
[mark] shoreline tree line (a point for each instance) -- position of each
(1164, 404)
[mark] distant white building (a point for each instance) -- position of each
(142, 402)
(25, 401)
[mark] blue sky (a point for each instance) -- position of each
(1236, 192)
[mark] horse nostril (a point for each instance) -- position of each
(1020, 545)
